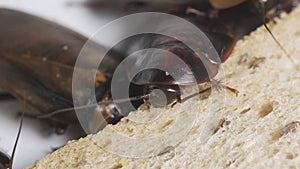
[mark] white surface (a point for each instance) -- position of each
(34, 143)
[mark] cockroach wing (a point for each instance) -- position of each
(37, 59)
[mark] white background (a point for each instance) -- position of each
(34, 142)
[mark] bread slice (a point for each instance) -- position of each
(256, 129)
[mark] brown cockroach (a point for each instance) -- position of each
(42, 65)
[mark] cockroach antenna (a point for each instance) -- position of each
(10, 164)
(195, 94)
(116, 101)
(216, 84)
(262, 4)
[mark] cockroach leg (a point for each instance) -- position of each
(278, 43)
(270, 32)
(232, 90)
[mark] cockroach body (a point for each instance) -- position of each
(37, 59)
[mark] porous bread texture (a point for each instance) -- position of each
(254, 130)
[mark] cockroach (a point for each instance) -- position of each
(5, 161)
(37, 59)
